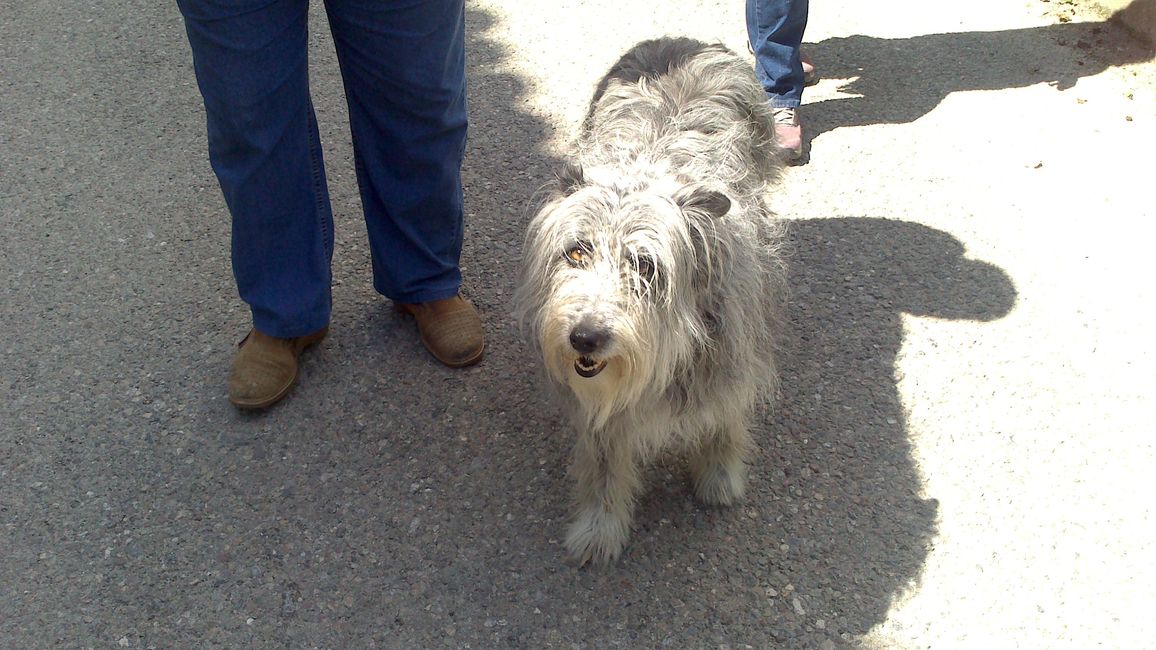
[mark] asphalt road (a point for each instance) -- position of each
(962, 456)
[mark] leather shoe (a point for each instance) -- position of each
(450, 329)
(266, 367)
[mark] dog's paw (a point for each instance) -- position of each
(720, 484)
(596, 536)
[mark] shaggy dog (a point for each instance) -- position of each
(651, 280)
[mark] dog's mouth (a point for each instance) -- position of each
(587, 367)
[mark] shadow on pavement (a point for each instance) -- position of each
(844, 488)
(900, 80)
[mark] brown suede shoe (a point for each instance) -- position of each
(451, 330)
(266, 367)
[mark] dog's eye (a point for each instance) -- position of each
(645, 267)
(579, 253)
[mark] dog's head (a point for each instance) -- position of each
(612, 281)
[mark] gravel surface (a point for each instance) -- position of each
(957, 461)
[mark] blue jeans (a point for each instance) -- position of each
(403, 68)
(775, 29)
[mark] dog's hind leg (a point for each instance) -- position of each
(718, 467)
(608, 482)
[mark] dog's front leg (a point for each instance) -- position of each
(718, 467)
(607, 483)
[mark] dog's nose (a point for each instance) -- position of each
(586, 338)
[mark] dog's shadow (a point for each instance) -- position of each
(834, 518)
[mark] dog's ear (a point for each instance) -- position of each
(716, 204)
(570, 178)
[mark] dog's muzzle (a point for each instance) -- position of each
(586, 339)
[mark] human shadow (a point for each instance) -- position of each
(851, 516)
(899, 80)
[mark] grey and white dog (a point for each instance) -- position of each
(651, 280)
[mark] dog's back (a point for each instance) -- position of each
(651, 60)
(693, 104)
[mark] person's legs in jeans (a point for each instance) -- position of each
(403, 65)
(251, 64)
(405, 77)
(775, 29)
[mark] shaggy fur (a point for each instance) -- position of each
(651, 280)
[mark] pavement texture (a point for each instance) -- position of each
(959, 459)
